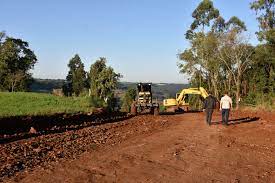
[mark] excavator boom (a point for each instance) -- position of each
(179, 100)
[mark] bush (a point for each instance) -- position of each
(250, 99)
(128, 99)
(162, 108)
(97, 102)
(265, 101)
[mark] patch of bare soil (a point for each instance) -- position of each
(166, 148)
(24, 155)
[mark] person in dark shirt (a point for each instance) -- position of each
(209, 106)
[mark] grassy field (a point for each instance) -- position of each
(23, 103)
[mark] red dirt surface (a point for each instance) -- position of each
(165, 148)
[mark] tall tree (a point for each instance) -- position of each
(76, 76)
(266, 17)
(203, 15)
(234, 23)
(265, 54)
(104, 80)
(16, 60)
(203, 59)
(236, 54)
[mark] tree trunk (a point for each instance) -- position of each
(215, 88)
(215, 83)
(229, 82)
(271, 80)
(238, 89)
(209, 83)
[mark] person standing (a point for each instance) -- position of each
(225, 106)
(209, 106)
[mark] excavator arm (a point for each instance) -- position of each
(193, 91)
(181, 96)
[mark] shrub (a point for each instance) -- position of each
(97, 102)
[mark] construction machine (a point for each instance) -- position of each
(180, 103)
(144, 100)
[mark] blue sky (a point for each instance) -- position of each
(139, 38)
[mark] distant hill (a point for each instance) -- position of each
(46, 85)
(160, 90)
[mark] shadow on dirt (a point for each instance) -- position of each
(17, 128)
(179, 112)
(238, 121)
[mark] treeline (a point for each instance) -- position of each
(101, 81)
(221, 58)
(17, 59)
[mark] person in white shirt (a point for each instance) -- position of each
(225, 106)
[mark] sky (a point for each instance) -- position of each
(139, 38)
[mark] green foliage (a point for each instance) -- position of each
(103, 81)
(218, 53)
(262, 75)
(97, 102)
(261, 100)
(128, 99)
(222, 53)
(16, 60)
(201, 60)
(195, 102)
(162, 108)
(218, 25)
(266, 16)
(76, 78)
(263, 71)
(22, 103)
(250, 99)
(203, 14)
(234, 23)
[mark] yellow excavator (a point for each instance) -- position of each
(179, 103)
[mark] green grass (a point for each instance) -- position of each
(25, 103)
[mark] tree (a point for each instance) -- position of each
(235, 52)
(201, 59)
(266, 17)
(201, 54)
(2, 36)
(209, 60)
(218, 25)
(203, 14)
(13, 79)
(16, 60)
(104, 80)
(234, 23)
(263, 68)
(76, 77)
(265, 54)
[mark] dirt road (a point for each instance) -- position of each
(169, 148)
